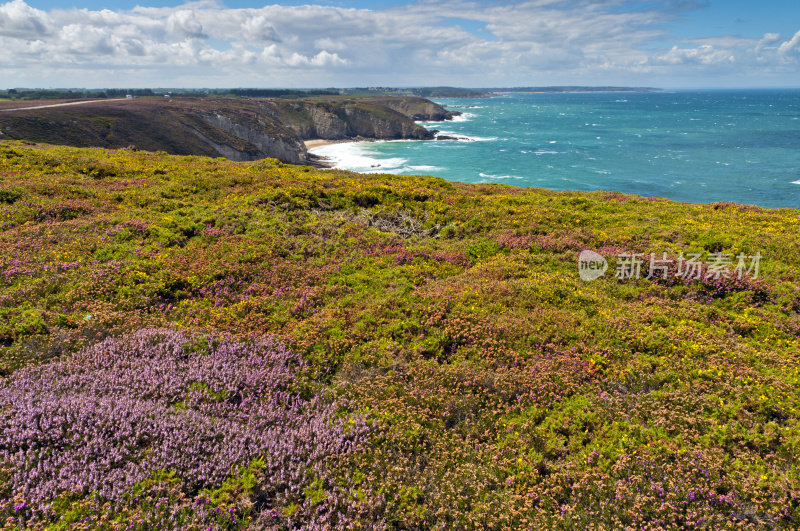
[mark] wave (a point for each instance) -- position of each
(796, 182)
(499, 177)
(355, 156)
(463, 117)
(465, 138)
(424, 167)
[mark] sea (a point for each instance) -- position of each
(708, 146)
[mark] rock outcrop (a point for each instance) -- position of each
(418, 109)
(338, 119)
(283, 146)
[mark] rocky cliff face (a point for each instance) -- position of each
(236, 128)
(284, 147)
(418, 109)
(315, 121)
(385, 124)
(338, 119)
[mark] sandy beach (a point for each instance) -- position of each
(319, 142)
(323, 161)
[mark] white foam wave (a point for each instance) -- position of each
(498, 177)
(464, 138)
(463, 117)
(356, 156)
(424, 167)
(796, 182)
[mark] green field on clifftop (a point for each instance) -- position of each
(419, 353)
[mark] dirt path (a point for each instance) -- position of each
(60, 105)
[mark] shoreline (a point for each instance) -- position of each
(321, 161)
(320, 142)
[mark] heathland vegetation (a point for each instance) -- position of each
(190, 342)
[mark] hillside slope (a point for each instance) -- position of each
(192, 342)
(238, 129)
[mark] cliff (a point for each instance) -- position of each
(419, 109)
(341, 118)
(235, 128)
(269, 139)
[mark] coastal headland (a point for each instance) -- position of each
(240, 129)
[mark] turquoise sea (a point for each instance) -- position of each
(696, 146)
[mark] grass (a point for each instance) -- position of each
(501, 390)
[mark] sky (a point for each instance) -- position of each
(347, 43)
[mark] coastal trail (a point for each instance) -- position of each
(61, 105)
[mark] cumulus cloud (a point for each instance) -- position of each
(258, 29)
(185, 23)
(767, 42)
(205, 43)
(18, 19)
(80, 39)
(790, 47)
(702, 55)
(323, 58)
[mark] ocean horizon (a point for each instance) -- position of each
(698, 146)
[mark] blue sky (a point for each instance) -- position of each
(739, 17)
(667, 43)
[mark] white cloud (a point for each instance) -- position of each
(18, 19)
(527, 42)
(323, 58)
(80, 39)
(258, 29)
(767, 43)
(329, 44)
(184, 22)
(702, 55)
(790, 47)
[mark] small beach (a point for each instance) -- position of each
(320, 142)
